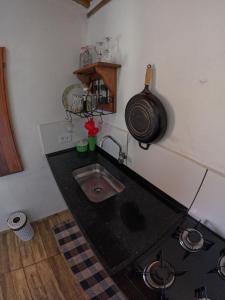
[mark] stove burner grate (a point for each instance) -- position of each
(221, 266)
(159, 275)
(191, 240)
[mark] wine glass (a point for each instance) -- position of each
(99, 50)
(107, 53)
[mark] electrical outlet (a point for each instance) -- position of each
(65, 138)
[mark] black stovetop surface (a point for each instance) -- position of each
(195, 271)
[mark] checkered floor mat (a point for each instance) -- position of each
(90, 273)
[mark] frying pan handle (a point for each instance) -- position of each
(144, 146)
(148, 75)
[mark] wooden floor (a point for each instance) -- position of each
(35, 270)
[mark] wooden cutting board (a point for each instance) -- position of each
(9, 158)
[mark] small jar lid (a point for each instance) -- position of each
(17, 220)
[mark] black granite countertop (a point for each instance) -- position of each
(123, 227)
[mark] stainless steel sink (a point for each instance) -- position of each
(97, 183)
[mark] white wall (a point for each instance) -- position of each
(43, 39)
(184, 40)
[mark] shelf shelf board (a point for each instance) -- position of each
(90, 69)
(105, 71)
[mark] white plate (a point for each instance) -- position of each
(72, 98)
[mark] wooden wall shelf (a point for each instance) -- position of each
(87, 4)
(105, 71)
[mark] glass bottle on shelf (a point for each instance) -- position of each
(108, 51)
(85, 56)
(99, 51)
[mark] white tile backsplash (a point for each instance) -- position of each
(51, 134)
(209, 206)
(170, 172)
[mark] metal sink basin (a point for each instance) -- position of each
(97, 183)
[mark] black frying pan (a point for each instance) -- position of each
(145, 115)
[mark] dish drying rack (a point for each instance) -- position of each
(91, 104)
(101, 99)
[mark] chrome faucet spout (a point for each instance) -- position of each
(112, 139)
(122, 155)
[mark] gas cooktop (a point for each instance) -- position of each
(188, 264)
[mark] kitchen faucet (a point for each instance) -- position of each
(122, 155)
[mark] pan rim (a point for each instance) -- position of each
(160, 117)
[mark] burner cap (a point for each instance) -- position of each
(159, 275)
(194, 237)
(191, 240)
(221, 266)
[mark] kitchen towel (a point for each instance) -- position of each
(90, 273)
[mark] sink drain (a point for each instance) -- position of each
(97, 189)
